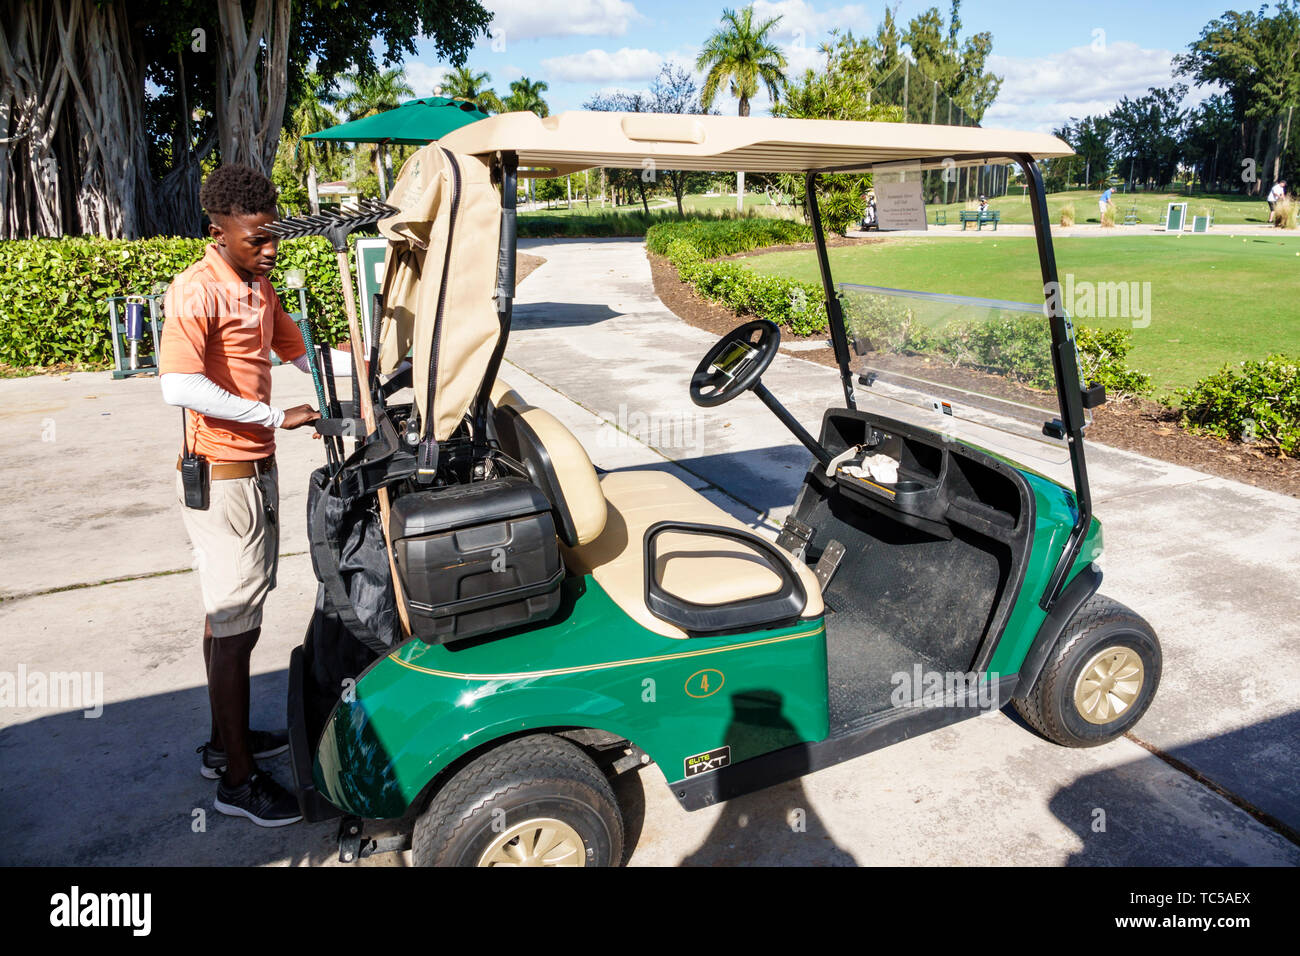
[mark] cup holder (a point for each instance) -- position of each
(908, 486)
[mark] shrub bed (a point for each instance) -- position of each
(689, 246)
(53, 290)
(1251, 402)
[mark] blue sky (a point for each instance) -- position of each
(1059, 59)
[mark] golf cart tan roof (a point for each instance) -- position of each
(575, 140)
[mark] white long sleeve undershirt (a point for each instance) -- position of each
(199, 393)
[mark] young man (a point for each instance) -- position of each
(223, 320)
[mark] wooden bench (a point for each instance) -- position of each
(979, 218)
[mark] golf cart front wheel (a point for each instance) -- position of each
(534, 801)
(1099, 679)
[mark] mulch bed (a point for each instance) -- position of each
(524, 264)
(1136, 425)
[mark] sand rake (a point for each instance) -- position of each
(337, 225)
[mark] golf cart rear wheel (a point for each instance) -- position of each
(534, 801)
(1099, 679)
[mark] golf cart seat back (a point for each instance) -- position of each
(556, 462)
(503, 395)
(701, 569)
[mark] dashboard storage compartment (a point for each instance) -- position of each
(476, 557)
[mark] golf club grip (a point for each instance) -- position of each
(304, 327)
(376, 304)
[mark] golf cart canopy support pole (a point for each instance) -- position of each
(508, 166)
(834, 314)
(1065, 363)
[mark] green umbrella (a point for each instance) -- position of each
(414, 122)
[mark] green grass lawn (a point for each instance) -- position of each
(1227, 209)
(1214, 300)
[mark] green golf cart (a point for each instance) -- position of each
(501, 627)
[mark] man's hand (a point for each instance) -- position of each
(298, 416)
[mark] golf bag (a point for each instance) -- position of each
(355, 618)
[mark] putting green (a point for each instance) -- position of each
(1212, 299)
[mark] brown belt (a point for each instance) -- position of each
(222, 470)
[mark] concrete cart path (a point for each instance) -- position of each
(87, 496)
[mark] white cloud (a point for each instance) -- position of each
(1043, 92)
(529, 19)
(802, 25)
(424, 79)
(601, 66)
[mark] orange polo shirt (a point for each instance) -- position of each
(222, 327)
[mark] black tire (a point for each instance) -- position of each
(1099, 624)
(540, 776)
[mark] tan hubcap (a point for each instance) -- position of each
(1108, 685)
(542, 841)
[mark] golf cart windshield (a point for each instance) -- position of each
(978, 369)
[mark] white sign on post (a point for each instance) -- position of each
(900, 206)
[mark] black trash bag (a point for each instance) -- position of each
(350, 558)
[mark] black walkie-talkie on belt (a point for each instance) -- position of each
(195, 472)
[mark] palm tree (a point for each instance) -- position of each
(526, 95)
(311, 115)
(740, 53)
(464, 84)
(371, 93)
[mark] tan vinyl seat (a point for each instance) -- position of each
(609, 516)
(695, 568)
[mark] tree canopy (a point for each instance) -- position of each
(110, 107)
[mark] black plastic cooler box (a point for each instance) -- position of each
(476, 557)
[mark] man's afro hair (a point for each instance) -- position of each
(235, 189)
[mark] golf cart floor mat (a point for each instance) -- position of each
(861, 661)
(900, 599)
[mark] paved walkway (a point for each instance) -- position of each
(96, 577)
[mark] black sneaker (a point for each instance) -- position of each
(260, 799)
(265, 744)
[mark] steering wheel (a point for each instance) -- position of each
(735, 364)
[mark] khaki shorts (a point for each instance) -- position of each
(236, 548)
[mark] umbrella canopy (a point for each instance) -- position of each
(414, 122)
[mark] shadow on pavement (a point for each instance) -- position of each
(775, 826)
(555, 315)
(1114, 812)
(125, 789)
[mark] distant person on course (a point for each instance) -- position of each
(1275, 194)
(1104, 201)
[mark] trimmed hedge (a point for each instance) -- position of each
(713, 238)
(541, 226)
(1253, 402)
(53, 290)
(798, 306)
